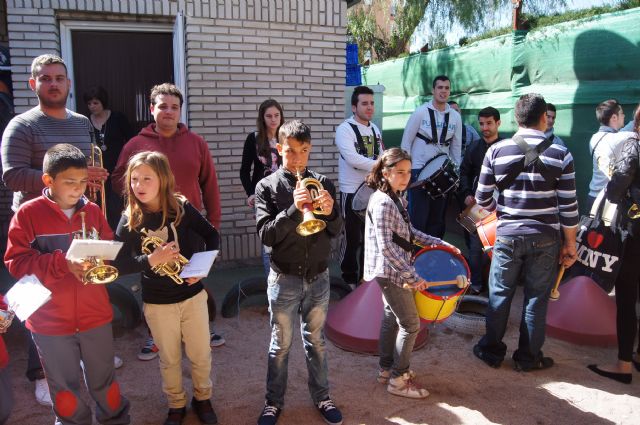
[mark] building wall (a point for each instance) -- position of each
(239, 52)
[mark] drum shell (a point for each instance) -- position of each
(437, 304)
(438, 177)
(487, 232)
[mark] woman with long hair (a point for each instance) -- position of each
(389, 241)
(260, 156)
(624, 190)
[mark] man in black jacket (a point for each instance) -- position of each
(298, 283)
(489, 123)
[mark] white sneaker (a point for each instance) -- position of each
(117, 362)
(404, 386)
(42, 393)
(385, 374)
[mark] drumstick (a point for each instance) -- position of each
(460, 281)
(555, 294)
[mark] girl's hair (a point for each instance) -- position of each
(171, 203)
(264, 149)
(636, 120)
(386, 162)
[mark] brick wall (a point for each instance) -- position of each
(239, 52)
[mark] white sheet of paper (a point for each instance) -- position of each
(85, 248)
(26, 296)
(199, 264)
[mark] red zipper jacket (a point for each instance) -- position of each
(39, 236)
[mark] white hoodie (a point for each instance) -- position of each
(420, 121)
(353, 167)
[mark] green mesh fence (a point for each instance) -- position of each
(574, 65)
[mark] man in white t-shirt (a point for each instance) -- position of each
(359, 142)
(604, 145)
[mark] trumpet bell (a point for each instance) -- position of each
(310, 225)
(100, 274)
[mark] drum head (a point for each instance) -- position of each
(440, 263)
(361, 198)
(432, 167)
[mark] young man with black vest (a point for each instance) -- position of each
(359, 142)
(489, 122)
(433, 129)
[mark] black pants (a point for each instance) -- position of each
(627, 285)
(34, 368)
(352, 250)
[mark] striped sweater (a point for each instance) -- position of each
(26, 140)
(531, 204)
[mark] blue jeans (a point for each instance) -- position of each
(293, 298)
(477, 259)
(427, 214)
(399, 329)
(535, 258)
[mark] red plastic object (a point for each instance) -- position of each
(585, 314)
(353, 324)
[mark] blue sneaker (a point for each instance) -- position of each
(269, 415)
(329, 412)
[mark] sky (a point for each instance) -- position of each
(420, 37)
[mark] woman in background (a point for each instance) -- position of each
(260, 156)
(111, 131)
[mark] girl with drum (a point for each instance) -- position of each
(389, 241)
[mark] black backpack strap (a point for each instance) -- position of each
(360, 147)
(531, 155)
(407, 245)
(596, 145)
(434, 130)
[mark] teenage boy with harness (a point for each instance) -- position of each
(434, 129)
(359, 143)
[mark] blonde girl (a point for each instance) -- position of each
(175, 313)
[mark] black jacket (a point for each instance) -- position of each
(158, 289)
(624, 187)
(471, 166)
(277, 218)
(250, 159)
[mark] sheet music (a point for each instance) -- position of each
(199, 264)
(85, 248)
(26, 296)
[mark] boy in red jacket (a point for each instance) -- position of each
(75, 325)
(6, 400)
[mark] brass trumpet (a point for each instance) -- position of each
(98, 273)
(96, 161)
(634, 212)
(170, 268)
(6, 317)
(310, 224)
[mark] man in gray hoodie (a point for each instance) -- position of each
(432, 130)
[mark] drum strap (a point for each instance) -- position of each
(407, 245)
(531, 156)
(434, 130)
(362, 149)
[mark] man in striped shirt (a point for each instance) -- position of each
(537, 225)
(29, 135)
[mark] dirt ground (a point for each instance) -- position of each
(463, 389)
